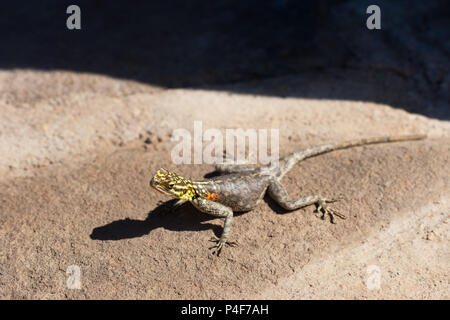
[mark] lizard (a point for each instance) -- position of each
(240, 187)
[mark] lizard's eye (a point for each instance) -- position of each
(170, 186)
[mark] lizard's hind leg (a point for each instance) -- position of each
(278, 193)
(233, 165)
(233, 168)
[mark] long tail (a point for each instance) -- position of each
(288, 162)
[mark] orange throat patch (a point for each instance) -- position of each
(212, 196)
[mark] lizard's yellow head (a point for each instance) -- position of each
(170, 183)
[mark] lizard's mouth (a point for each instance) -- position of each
(158, 187)
(155, 185)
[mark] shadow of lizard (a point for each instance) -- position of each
(183, 218)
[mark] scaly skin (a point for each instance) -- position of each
(241, 188)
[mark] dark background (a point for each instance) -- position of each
(200, 44)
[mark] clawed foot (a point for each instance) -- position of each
(220, 243)
(322, 206)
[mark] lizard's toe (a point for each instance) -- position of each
(217, 248)
(231, 243)
(338, 198)
(326, 210)
(220, 244)
(214, 239)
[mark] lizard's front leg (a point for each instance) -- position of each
(218, 210)
(173, 207)
(278, 193)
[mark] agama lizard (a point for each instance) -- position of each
(242, 187)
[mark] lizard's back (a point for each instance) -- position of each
(239, 191)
